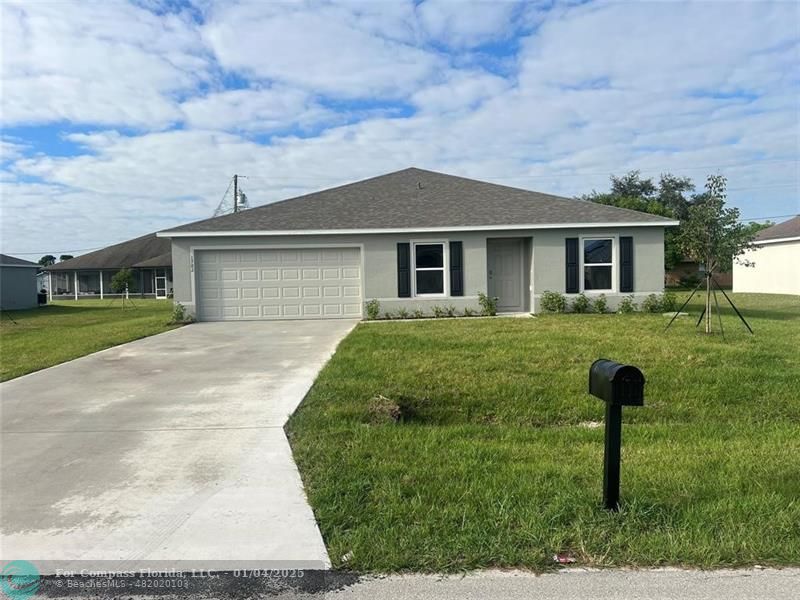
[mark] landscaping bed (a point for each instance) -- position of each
(61, 331)
(443, 445)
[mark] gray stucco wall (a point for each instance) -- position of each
(18, 288)
(544, 261)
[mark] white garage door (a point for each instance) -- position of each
(306, 283)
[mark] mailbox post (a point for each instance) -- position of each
(617, 385)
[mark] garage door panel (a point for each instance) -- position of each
(304, 283)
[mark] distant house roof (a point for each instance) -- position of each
(125, 254)
(162, 260)
(416, 199)
(787, 229)
(13, 261)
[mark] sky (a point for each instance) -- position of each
(124, 118)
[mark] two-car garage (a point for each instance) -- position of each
(278, 283)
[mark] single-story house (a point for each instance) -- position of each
(772, 266)
(89, 276)
(412, 239)
(17, 283)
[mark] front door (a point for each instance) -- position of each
(161, 284)
(504, 262)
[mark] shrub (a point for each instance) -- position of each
(121, 281)
(402, 313)
(581, 304)
(373, 309)
(468, 312)
(689, 281)
(553, 302)
(388, 315)
(179, 313)
(626, 305)
(669, 302)
(418, 313)
(439, 312)
(651, 304)
(601, 303)
(488, 305)
(450, 310)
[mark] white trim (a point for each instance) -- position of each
(196, 305)
(50, 286)
(776, 241)
(101, 284)
(444, 268)
(406, 230)
(614, 263)
(76, 284)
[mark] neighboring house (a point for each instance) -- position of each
(412, 239)
(772, 266)
(689, 271)
(89, 275)
(17, 283)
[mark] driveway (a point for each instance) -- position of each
(164, 449)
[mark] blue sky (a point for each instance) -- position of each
(124, 118)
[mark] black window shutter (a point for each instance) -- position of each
(403, 270)
(626, 264)
(456, 269)
(572, 283)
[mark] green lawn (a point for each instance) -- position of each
(497, 461)
(61, 331)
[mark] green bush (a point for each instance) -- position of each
(469, 312)
(373, 309)
(450, 310)
(179, 314)
(669, 302)
(439, 312)
(689, 281)
(488, 305)
(553, 302)
(626, 305)
(652, 304)
(601, 303)
(581, 304)
(418, 313)
(388, 315)
(402, 313)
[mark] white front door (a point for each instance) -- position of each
(161, 283)
(504, 262)
(300, 283)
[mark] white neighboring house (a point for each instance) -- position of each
(774, 261)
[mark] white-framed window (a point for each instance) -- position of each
(429, 266)
(598, 264)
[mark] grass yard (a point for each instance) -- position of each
(61, 331)
(498, 458)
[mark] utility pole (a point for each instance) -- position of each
(235, 193)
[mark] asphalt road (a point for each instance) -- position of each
(570, 584)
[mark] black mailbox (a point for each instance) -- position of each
(615, 383)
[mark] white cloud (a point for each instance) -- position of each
(323, 50)
(462, 26)
(107, 63)
(276, 108)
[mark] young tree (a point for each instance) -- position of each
(64, 257)
(712, 234)
(47, 260)
(122, 280)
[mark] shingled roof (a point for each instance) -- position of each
(133, 253)
(13, 261)
(787, 229)
(416, 198)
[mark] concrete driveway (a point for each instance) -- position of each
(164, 449)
